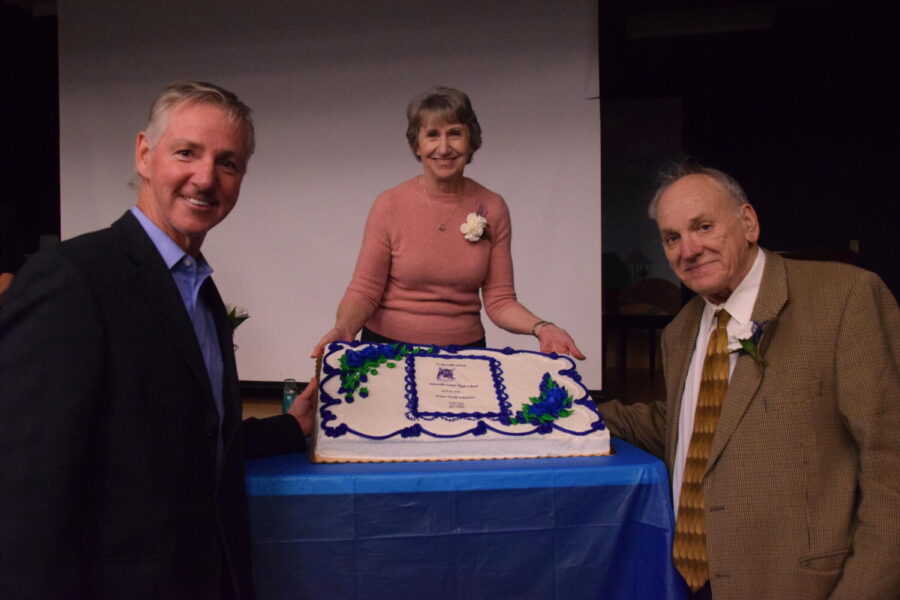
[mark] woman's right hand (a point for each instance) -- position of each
(351, 316)
(332, 336)
(556, 339)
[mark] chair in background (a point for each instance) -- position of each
(648, 305)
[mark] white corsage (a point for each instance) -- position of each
(746, 340)
(236, 315)
(475, 227)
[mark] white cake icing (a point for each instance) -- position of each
(404, 403)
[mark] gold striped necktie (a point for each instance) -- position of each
(689, 548)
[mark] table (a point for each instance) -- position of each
(563, 528)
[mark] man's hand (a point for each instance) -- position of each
(303, 407)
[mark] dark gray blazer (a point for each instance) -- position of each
(108, 482)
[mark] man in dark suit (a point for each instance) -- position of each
(787, 485)
(121, 442)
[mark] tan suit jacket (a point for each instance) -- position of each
(803, 483)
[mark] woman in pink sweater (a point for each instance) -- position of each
(433, 242)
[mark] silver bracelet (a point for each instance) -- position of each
(539, 324)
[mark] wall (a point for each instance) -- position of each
(329, 82)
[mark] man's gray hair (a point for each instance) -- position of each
(197, 92)
(675, 171)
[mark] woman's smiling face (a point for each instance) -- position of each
(444, 149)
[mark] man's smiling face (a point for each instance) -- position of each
(191, 176)
(709, 239)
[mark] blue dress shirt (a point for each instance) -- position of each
(189, 274)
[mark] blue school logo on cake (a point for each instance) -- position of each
(445, 374)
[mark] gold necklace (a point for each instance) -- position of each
(441, 226)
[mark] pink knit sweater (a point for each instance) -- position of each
(424, 283)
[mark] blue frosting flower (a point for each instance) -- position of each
(555, 400)
(553, 403)
(354, 359)
(358, 365)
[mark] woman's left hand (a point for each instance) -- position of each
(557, 339)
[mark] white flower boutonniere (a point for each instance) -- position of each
(475, 227)
(746, 340)
(236, 315)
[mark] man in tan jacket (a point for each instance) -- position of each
(798, 492)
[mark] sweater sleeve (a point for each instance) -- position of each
(498, 290)
(374, 261)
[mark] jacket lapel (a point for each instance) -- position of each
(772, 297)
(230, 392)
(154, 282)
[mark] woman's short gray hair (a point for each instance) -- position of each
(200, 92)
(675, 171)
(448, 105)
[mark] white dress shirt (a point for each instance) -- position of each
(740, 306)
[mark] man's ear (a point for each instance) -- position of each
(142, 155)
(750, 223)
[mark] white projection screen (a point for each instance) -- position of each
(329, 82)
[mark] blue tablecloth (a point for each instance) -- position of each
(562, 528)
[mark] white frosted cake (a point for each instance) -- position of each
(394, 402)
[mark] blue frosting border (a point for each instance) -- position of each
(326, 401)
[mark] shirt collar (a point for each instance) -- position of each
(741, 301)
(170, 251)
